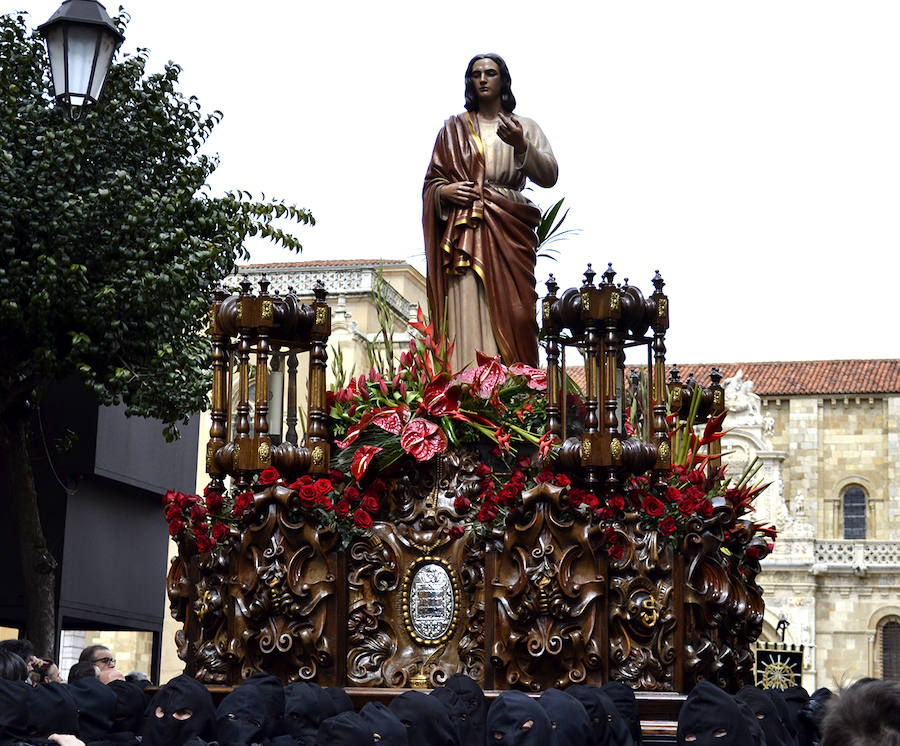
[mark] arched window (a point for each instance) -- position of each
(854, 505)
(890, 651)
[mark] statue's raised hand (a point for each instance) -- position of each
(510, 131)
(460, 193)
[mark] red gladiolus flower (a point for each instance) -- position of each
(361, 519)
(219, 531)
(176, 527)
(269, 475)
(653, 506)
(342, 509)
(461, 505)
(423, 439)
(667, 526)
(369, 503)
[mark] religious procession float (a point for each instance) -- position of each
(500, 521)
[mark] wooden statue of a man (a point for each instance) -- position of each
(479, 228)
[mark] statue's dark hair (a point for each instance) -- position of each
(507, 100)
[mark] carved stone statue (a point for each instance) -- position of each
(742, 402)
(479, 228)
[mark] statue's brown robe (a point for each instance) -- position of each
(494, 237)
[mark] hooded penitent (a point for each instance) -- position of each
(344, 729)
(241, 716)
(385, 725)
(515, 719)
(570, 721)
(131, 702)
(340, 699)
(306, 705)
(710, 717)
(273, 692)
(777, 696)
(96, 704)
(623, 698)
(52, 709)
(766, 714)
(610, 728)
(427, 721)
(472, 696)
(13, 710)
(457, 709)
(183, 708)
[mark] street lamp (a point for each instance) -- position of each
(81, 40)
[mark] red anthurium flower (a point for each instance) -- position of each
(391, 419)
(362, 460)
(537, 378)
(423, 439)
(355, 431)
(489, 374)
(441, 396)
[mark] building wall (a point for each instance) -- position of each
(836, 593)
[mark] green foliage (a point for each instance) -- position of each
(548, 231)
(111, 241)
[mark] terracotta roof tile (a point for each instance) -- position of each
(319, 263)
(800, 377)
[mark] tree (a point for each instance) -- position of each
(111, 245)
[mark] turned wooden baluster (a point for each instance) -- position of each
(714, 449)
(218, 429)
(317, 430)
(243, 441)
(591, 376)
(659, 428)
(610, 426)
(551, 344)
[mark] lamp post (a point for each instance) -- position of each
(81, 40)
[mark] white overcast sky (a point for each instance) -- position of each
(750, 151)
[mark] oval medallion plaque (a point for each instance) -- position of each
(430, 601)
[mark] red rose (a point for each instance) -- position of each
(604, 513)
(615, 552)
(482, 470)
(214, 501)
(342, 509)
(455, 532)
(169, 497)
(617, 502)
(576, 496)
(667, 526)
(487, 513)
(673, 494)
(326, 504)
(204, 543)
(705, 509)
(686, 506)
(241, 503)
(561, 480)
(176, 527)
(269, 475)
(694, 493)
(369, 503)
(696, 476)
(653, 506)
(461, 505)
(173, 512)
(351, 494)
(308, 495)
(322, 487)
(335, 476)
(185, 501)
(545, 476)
(219, 531)
(361, 519)
(198, 514)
